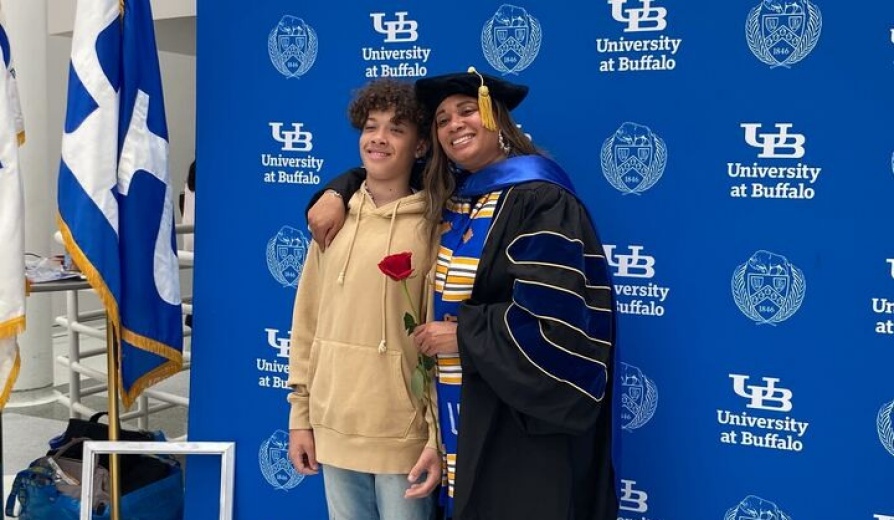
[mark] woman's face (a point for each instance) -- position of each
(388, 149)
(463, 137)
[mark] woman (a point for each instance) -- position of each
(524, 328)
(350, 359)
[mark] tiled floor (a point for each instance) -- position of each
(28, 428)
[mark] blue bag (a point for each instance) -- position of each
(37, 489)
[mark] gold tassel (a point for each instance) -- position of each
(485, 108)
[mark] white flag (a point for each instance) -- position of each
(12, 222)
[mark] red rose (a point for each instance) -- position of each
(397, 267)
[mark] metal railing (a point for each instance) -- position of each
(92, 324)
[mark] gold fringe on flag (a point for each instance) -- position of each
(5, 392)
(12, 327)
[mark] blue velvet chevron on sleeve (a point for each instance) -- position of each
(559, 317)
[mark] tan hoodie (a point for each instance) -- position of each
(352, 389)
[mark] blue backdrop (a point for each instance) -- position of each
(736, 157)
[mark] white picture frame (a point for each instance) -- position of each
(226, 451)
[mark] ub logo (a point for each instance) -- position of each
(645, 18)
(768, 288)
(781, 145)
(281, 345)
(756, 508)
(273, 458)
(632, 499)
(633, 158)
(294, 140)
(779, 399)
(639, 397)
(286, 253)
(885, 428)
(292, 46)
(633, 265)
(511, 39)
(783, 32)
(397, 31)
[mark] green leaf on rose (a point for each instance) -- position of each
(428, 362)
(417, 382)
(409, 323)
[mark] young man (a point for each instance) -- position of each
(351, 360)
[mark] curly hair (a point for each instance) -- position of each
(385, 94)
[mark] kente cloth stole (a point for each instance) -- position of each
(464, 230)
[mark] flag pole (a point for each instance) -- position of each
(114, 474)
(111, 348)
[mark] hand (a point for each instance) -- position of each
(429, 463)
(302, 452)
(325, 219)
(436, 337)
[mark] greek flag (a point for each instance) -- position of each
(12, 219)
(115, 204)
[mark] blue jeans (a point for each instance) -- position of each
(352, 495)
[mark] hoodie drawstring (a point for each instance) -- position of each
(344, 267)
(382, 347)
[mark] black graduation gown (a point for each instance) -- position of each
(530, 446)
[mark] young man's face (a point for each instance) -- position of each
(389, 149)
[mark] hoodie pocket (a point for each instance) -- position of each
(358, 391)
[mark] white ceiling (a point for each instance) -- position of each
(175, 23)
